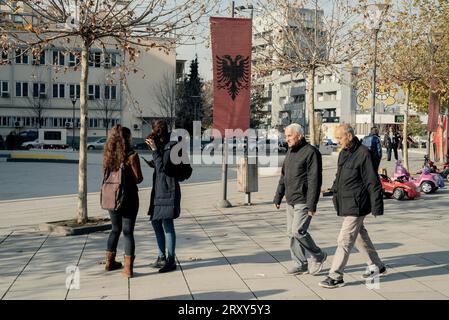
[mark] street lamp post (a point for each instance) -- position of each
(374, 14)
(73, 122)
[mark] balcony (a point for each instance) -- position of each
(293, 106)
(297, 91)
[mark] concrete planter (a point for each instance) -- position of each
(70, 227)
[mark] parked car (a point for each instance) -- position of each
(29, 135)
(31, 144)
(96, 145)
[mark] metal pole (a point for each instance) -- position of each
(224, 203)
(373, 106)
(73, 125)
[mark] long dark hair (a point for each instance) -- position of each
(116, 147)
(160, 133)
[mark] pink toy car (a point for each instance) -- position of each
(428, 182)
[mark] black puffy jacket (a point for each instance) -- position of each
(301, 176)
(357, 187)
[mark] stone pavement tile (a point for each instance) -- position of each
(94, 281)
(42, 293)
(15, 254)
(147, 283)
(112, 284)
(286, 288)
(105, 297)
(354, 289)
(441, 286)
(417, 295)
(258, 271)
(235, 294)
(213, 278)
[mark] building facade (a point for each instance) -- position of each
(43, 92)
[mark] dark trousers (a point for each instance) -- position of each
(125, 224)
(389, 153)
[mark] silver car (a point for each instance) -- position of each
(96, 145)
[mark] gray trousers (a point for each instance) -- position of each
(298, 222)
(353, 232)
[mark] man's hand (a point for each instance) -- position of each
(277, 206)
(312, 213)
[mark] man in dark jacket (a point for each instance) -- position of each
(357, 193)
(300, 182)
(372, 142)
(392, 141)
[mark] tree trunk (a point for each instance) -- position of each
(441, 157)
(310, 103)
(405, 129)
(82, 174)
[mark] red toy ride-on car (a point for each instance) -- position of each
(399, 188)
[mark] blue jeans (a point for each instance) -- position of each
(165, 236)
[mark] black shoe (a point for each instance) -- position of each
(369, 274)
(159, 263)
(170, 265)
(330, 283)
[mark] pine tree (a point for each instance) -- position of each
(191, 104)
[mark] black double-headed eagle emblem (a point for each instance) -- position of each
(233, 74)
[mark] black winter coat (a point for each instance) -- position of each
(165, 200)
(357, 187)
(301, 176)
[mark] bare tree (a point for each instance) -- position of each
(306, 36)
(38, 100)
(131, 26)
(165, 93)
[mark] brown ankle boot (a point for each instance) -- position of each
(111, 264)
(129, 264)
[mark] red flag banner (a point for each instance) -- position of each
(231, 56)
(434, 108)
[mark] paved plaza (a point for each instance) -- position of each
(236, 253)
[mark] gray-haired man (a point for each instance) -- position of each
(357, 193)
(300, 182)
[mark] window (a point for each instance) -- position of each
(52, 135)
(74, 59)
(72, 89)
(93, 92)
(4, 88)
(320, 79)
(93, 123)
(21, 89)
(58, 58)
(95, 59)
(17, 18)
(21, 56)
(110, 92)
(39, 90)
(5, 58)
(59, 91)
(320, 96)
(332, 96)
(110, 60)
(40, 60)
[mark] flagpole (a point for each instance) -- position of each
(224, 203)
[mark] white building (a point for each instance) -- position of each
(339, 96)
(38, 92)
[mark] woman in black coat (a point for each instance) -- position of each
(165, 204)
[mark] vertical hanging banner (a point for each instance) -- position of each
(231, 55)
